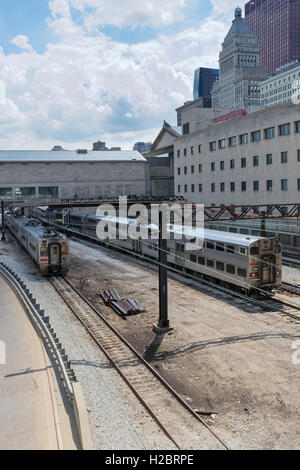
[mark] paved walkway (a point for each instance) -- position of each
(29, 413)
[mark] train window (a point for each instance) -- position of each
(201, 260)
(242, 250)
(220, 266)
(297, 241)
(210, 263)
(220, 247)
(254, 250)
(193, 258)
(233, 230)
(242, 272)
(285, 239)
(230, 249)
(277, 249)
(210, 246)
(230, 269)
(244, 231)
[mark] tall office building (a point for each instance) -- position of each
(240, 75)
(276, 23)
(203, 82)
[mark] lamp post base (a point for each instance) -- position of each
(159, 330)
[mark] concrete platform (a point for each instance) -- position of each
(32, 413)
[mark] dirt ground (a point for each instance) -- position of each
(224, 356)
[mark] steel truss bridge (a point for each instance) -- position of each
(211, 213)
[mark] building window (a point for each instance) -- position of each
(269, 159)
(269, 185)
(255, 185)
(212, 146)
(200, 148)
(200, 188)
(232, 141)
(185, 170)
(244, 186)
(298, 155)
(179, 188)
(192, 169)
(297, 126)
(255, 160)
(192, 150)
(284, 185)
(270, 133)
(178, 171)
(193, 188)
(255, 136)
(186, 128)
(48, 191)
(213, 187)
(222, 187)
(222, 165)
(243, 162)
(25, 192)
(244, 139)
(184, 152)
(5, 192)
(298, 182)
(200, 167)
(232, 187)
(222, 144)
(232, 164)
(284, 157)
(212, 166)
(284, 129)
(178, 153)
(185, 188)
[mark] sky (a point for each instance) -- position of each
(76, 71)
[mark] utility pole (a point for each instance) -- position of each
(163, 325)
(3, 221)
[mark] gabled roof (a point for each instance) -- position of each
(167, 128)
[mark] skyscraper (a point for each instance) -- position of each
(240, 75)
(203, 82)
(276, 23)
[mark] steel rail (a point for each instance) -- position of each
(142, 360)
(29, 306)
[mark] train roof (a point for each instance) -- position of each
(213, 235)
(39, 230)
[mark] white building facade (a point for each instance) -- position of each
(281, 88)
(253, 159)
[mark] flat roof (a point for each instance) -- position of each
(48, 156)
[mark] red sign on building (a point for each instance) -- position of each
(232, 115)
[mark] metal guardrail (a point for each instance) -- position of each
(43, 322)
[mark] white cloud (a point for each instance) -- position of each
(130, 12)
(22, 42)
(86, 86)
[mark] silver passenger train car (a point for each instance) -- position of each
(246, 262)
(48, 248)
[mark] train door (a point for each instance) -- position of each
(54, 254)
(268, 269)
(136, 245)
(179, 253)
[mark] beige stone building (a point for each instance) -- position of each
(45, 174)
(254, 159)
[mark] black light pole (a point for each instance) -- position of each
(3, 221)
(163, 325)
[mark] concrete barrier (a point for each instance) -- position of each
(82, 418)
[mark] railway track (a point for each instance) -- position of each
(185, 428)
